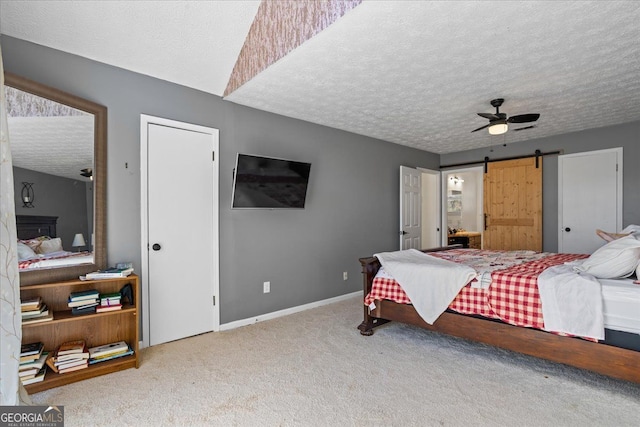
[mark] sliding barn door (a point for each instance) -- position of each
(513, 205)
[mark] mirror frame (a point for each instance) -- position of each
(99, 112)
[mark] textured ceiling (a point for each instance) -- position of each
(60, 146)
(416, 73)
(49, 137)
(410, 72)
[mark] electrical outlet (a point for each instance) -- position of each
(266, 287)
(345, 275)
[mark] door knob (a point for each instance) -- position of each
(567, 229)
(156, 247)
(402, 233)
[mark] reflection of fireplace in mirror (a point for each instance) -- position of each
(27, 195)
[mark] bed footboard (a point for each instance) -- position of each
(605, 359)
(370, 267)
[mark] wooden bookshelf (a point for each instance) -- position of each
(95, 328)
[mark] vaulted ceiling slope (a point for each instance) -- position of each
(410, 72)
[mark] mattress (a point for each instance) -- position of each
(621, 297)
(621, 305)
(55, 260)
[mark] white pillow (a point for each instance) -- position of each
(618, 258)
(632, 229)
(25, 252)
(48, 246)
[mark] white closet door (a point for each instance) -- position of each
(589, 197)
(182, 232)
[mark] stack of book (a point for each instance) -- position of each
(32, 367)
(70, 356)
(34, 310)
(30, 352)
(83, 302)
(109, 302)
(109, 351)
(109, 273)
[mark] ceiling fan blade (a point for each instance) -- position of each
(526, 127)
(523, 118)
(480, 128)
(489, 116)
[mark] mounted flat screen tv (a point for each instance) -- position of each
(269, 183)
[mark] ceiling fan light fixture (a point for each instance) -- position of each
(498, 128)
(87, 173)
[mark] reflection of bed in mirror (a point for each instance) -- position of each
(39, 246)
(58, 143)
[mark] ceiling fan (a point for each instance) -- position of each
(499, 122)
(88, 173)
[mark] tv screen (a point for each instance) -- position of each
(265, 182)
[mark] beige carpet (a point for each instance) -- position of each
(315, 369)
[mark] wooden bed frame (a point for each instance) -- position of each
(605, 359)
(31, 226)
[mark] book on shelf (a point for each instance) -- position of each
(110, 299)
(42, 311)
(36, 378)
(108, 349)
(74, 368)
(28, 373)
(30, 304)
(127, 352)
(70, 357)
(81, 303)
(70, 364)
(84, 310)
(84, 295)
(37, 319)
(32, 348)
(32, 367)
(111, 295)
(109, 273)
(103, 308)
(71, 347)
(86, 304)
(51, 362)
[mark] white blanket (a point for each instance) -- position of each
(571, 302)
(430, 283)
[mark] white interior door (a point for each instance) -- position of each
(430, 208)
(182, 230)
(410, 208)
(589, 197)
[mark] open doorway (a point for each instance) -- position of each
(462, 207)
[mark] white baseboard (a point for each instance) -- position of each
(285, 312)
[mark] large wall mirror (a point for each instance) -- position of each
(58, 146)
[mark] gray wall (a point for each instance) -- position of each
(626, 136)
(352, 206)
(56, 196)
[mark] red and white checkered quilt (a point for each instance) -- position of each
(511, 297)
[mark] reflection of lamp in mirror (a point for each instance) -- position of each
(27, 195)
(78, 241)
